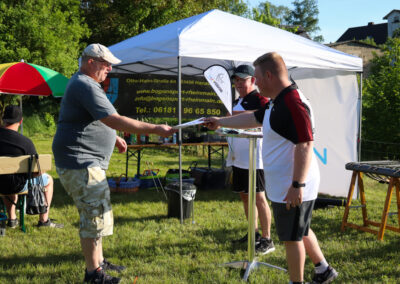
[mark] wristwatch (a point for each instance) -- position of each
(296, 184)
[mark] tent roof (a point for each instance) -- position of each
(224, 39)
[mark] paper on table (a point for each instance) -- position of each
(190, 123)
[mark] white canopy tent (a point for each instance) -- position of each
(326, 76)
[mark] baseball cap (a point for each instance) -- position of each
(100, 51)
(243, 71)
(12, 114)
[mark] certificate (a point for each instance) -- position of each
(190, 123)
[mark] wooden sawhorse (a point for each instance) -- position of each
(382, 171)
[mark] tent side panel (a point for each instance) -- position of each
(334, 98)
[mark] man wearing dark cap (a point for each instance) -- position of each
(14, 144)
(82, 147)
(238, 157)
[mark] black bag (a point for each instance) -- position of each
(36, 202)
(208, 178)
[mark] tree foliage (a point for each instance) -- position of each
(267, 13)
(396, 33)
(368, 40)
(44, 32)
(305, 14)
(381, 96)
(114, 21)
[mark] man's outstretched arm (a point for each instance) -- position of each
(241, 121)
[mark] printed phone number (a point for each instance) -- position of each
(158, 110)
(201, 111)
(173, 110)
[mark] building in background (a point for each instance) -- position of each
(351, 41)
(378, 32)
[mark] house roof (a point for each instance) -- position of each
(393, 11)
(378, 32)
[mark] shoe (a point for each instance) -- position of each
(50, 223)
(100, 277)
(106, 265)
(325, 277)
(12, 223)
(265, 246)
(244, 239)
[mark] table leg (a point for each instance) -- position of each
(349, 199)
(127, 162)
(362, 199)
(209, 156)
(252, 262)
(397, 183)
(386, 210)
(223, 156)
(138, 161)
(22, 208)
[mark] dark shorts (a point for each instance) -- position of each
(241, 180)
(293, 224)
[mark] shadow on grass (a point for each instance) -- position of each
(15, 267)
(48, 259)
(376, 253)
(152, 195)
(121, 220)
(60, 196)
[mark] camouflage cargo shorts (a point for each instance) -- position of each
(89, 189)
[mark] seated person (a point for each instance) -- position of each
(14, 144)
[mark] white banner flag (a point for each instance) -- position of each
(218, 78)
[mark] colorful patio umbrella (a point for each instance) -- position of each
(20, 78)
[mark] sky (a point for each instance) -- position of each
(336, 16)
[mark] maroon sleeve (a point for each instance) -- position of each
(263, 100)
(301, 119)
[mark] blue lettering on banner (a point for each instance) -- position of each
(324, 159)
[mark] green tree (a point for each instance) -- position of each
(396, 33)
(44, 32)
(265, 14)
(305, 14)
(270, 14)
(381, 96)
(369, 40)
(114, 21)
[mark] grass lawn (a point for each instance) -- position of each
(158, 249)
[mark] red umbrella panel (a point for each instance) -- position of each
(20, 78)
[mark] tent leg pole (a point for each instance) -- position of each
(360, 118)
(359, 126)
(180, 135)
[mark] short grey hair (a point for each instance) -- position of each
(272, 62)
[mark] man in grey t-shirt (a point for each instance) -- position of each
(82, 148)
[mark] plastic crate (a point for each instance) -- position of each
(124, 185)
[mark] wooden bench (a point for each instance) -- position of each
(20, 165)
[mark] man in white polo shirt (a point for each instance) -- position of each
(290, 167)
